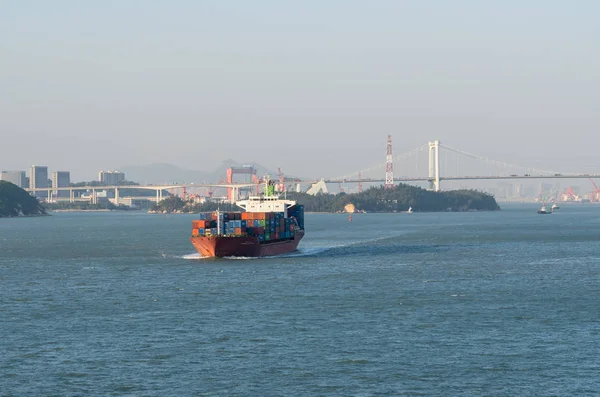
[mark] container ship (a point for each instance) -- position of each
(268, 226)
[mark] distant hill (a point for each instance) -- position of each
(159, 173)
(375, 199)
(15, 201)
(399, 199)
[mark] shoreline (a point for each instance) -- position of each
(77, 210)
(24, 216)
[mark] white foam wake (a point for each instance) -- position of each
(194, 256)
(240, 257)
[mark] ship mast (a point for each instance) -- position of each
(218, 222)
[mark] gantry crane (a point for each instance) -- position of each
(595, 195)
(281, 185)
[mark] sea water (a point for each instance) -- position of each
(503, 303)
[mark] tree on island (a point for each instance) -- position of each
(15, 201)
(376, 199)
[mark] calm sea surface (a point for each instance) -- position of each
(502, 303)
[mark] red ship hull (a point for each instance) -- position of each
(247, 246)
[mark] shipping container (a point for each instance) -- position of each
(271, 225)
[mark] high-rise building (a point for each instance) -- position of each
(61, 179)
(111, 178)
(38, 178)
(17, 177)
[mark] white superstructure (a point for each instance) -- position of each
(265, 204)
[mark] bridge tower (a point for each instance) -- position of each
(389, 165)
(434, 166)
(360, 189)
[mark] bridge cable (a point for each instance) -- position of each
(382, 165)
(495, 162)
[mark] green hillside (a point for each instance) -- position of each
(400, 198)
(15, 201)
(376, 199)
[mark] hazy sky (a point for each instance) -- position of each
(313, 87)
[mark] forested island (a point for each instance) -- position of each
(15, 201)
(376, 199)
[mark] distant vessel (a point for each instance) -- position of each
(555, 207)
(409, 210)
(543, 210)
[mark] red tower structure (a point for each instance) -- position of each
(247, 169)
(389, 165)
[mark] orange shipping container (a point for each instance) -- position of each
(202, 224)
(238, 230)
(195, 232)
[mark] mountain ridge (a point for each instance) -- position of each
(167, 173)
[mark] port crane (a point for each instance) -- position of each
(595, 195)
(281, 185)
(245, 169)
(211, 190)
(570, 194)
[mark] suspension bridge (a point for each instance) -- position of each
(435, 162)
(432, 163)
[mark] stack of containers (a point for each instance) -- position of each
(267, 226)
(204, 226)
(297, 211)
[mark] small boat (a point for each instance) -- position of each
(543, 210)
(410, 211)
(555, 207)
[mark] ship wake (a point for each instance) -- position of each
(194, 256)
(387, 244)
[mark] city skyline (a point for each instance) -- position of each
(172, 175)
(536, 189)
(305, 89)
